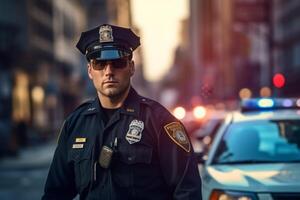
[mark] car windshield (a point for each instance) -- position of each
(260, 142)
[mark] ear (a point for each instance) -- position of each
(89, 68)
(132, 67)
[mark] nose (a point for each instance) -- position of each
(109, 70)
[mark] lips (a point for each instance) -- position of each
(110, 82)
(105, 82)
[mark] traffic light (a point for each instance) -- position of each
(278, 80)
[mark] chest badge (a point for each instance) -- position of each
(134, 133)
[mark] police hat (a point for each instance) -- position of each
(107, 42)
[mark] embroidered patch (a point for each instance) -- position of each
(177, 133)
(134, 133)
(77, 146)
(78, 140)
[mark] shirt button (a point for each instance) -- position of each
(130, 158)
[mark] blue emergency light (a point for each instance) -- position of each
(265, 103)
(260, 104)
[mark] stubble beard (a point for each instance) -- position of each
(115, 93)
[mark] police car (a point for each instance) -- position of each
(256, 153)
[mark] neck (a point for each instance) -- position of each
(113, 102)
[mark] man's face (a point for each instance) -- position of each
(111, 78)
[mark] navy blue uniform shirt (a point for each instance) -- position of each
(153, 157)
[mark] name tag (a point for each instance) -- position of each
(80, 140)
(77, 146)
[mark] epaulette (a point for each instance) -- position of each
(80, 108)
(153, 105)
(85, 103)
(150, 102)
(71, 118)
(147, 101)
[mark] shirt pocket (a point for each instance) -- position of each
(134, 154)
(81, 159)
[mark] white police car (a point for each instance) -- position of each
(256, 153)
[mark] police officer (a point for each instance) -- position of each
(120, 145)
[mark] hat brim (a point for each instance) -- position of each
(107, 54)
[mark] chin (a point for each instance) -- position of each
(113, 92)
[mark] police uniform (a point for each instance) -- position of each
(152, 157)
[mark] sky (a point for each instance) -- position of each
(159, 24)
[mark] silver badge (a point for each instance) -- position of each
(105, 34)
(134, 133)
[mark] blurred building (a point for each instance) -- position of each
(119, 12)
(230, 47)
(286, 44)
(37, 55)
(242, 44)
(68, 22)
(177, 89)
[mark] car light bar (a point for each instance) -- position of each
(265, 103)
(256, 104)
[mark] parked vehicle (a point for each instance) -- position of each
(256, 153)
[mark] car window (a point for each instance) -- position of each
(260, 141)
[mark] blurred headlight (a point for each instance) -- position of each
(179, 112)
(199, 112)
(229, 195)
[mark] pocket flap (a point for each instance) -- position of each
(137, 154)
(77, 155)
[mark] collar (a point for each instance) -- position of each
(93, 108)
(131, 104)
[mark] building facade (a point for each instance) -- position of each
(38, 39)
(286, 45)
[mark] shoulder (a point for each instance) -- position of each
(150, 103)
(71, 120)
(156, 109)
(168, 126)
(79, 110)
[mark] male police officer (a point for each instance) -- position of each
(120, 145)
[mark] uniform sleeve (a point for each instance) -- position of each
(178, 162)
(60, 182)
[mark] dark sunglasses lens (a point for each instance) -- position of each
(119, 64)
(99, 64)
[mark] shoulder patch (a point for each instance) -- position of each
(177, 133)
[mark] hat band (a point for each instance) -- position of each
(107, 54)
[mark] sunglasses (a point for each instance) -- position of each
(116, 64)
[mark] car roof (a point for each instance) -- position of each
(277, 114)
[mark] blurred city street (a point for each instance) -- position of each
(199, 58)
(23, 176)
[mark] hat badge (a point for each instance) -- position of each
(105, 34)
